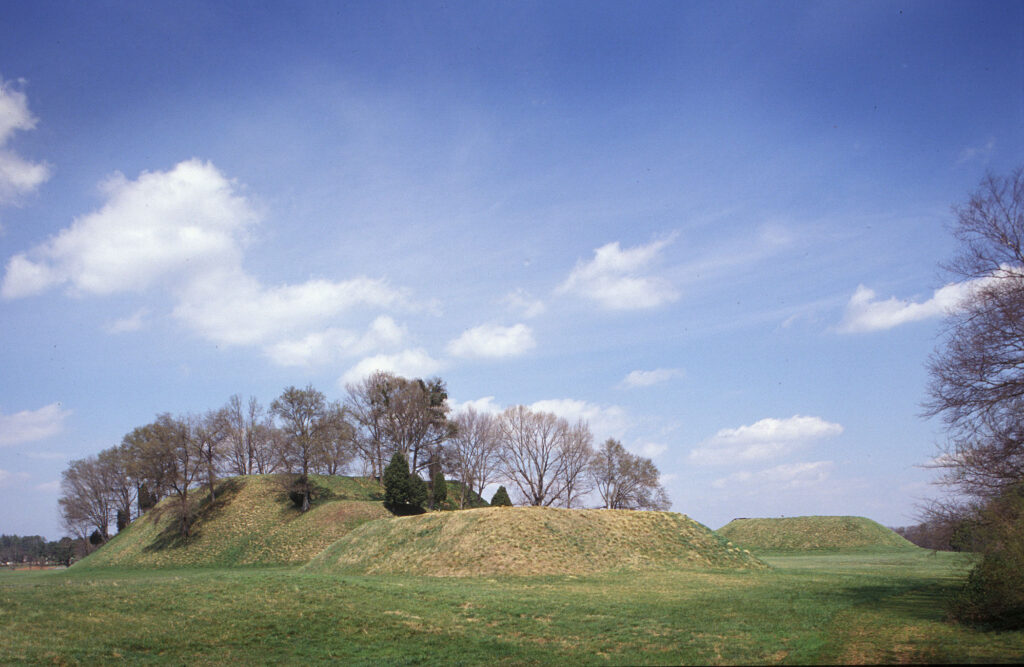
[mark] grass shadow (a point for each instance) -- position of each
(205, 510)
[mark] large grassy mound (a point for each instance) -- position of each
(501, 541)
(814, 533)
(252, 522)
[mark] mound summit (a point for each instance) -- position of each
(814, 533)
(515, 541)
(252, 522)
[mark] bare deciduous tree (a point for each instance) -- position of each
(308, 422)
(394, 414)
(250, 449)
(576, 455)
(977, 376)
(176, 438)
(473, 452)
(86, 502)
(625, 480)
(542, 456)
(366, 404)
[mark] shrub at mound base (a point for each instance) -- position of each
(504, 541)
(814, 533)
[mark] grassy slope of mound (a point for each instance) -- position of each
(814, 533)
(529, 541)
(252, 522)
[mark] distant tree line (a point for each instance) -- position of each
(544, 459)
(35, 549)
(934, 535)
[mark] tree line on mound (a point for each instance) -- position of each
(543, 458)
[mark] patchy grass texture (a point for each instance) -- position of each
(252, 522)
(519, 541)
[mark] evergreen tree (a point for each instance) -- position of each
(501, 498)
(439, 490)
(403, 491)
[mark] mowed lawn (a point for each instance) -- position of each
(860, 608)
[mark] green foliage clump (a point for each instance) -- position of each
(501, 498)
(994, 592)
(404, 492)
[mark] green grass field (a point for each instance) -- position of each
(851, 608)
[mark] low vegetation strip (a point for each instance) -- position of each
(251, 522)
(814, 533)
(517, 541)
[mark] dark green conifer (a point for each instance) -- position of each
(501, 498)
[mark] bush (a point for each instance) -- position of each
(994, 593)
(501, 498)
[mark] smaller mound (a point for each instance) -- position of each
(518, 541)
(814, 533)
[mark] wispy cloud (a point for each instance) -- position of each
(523, 302)
(32, 425)
(640, 378)
(619, 279)
(606, 421)
(493, 341)
(980, 152)
(134, 322)
(763, 440)
(784, 476)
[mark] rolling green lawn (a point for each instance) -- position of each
(852, 608)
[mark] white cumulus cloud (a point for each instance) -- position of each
(766, 439)
(865, 312)
(184, 230)
(163, 226)
(327, 346)
(407, 363)
(17, 175)
(485, 405)
(32, 425)
(619, 279)
(493, 341)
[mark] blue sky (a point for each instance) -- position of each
(713, 230)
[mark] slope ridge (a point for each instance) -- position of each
(503, 541)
